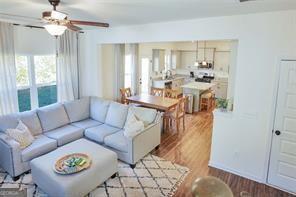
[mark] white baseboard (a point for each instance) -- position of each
(236, 172)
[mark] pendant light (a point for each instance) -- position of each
(196, 63)
(204, 62)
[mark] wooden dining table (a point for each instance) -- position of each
(155, 102)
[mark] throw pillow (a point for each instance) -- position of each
(21, 134)
(132, 125)
(146, 115)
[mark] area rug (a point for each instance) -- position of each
(152, 176)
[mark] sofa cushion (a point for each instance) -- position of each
(146, 115)
(116, 115)
(100, 132)
(117, 141)
(78, 110)
(31, 120)
(52, 116)
(40, 146)
(8, 122)
(88, 123)
(98, 109)
(65, 134)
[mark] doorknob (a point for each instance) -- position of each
(277, 132)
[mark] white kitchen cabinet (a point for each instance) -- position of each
(220, 88)
(175, 59)
(158, 60)
(177, 83)
(222, 61)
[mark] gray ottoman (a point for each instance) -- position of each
(104, 165)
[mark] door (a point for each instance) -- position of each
(144, 76)
(282, 168)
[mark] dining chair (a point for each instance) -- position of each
(125, 92)
(170, 93)
(175, 115)
(206, 101)
(157, 91)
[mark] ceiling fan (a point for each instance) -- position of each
(57, 22)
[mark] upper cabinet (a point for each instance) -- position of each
(158, 60)
(176, 59)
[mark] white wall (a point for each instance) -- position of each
(263, 39)
(33, 41)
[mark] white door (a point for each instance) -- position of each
(144, 76)
(282, 169)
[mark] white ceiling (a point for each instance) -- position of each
(130, 12)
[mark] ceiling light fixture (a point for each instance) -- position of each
(55, 29)
(196, 63)
(204, 62)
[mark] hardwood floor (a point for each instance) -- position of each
(191, 148)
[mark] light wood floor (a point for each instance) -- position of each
(191, 148)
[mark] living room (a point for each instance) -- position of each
(247, 149)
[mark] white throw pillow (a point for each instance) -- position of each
(21, 134)
(146, 115)
(132, 125)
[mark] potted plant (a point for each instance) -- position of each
(222, 104)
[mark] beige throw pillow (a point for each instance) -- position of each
(21, 134)
(132, 125)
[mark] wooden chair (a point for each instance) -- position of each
(205, 101)
(176, 114)
(170, 93)
(157, 92)
(125, 92)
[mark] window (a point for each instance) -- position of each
(127, 71)
(36, 81)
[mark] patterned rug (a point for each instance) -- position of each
(153, 176)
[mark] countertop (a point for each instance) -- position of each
(176, 77)
(198, 85)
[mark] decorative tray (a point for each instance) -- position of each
(72, 163)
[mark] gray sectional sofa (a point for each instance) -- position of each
(96, 119)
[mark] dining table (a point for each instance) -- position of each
(159, 103)
(156, 102)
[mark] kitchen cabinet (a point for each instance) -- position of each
(222, 61)
(175, 59)
(188, 58)
(176, 83)
(220, 88)
(158, 60)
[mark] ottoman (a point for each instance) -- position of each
(104, 165)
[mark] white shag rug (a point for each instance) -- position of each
(152, 176)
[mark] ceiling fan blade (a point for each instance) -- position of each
(73, 27)
(89, 23)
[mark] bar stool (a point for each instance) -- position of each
(205, 101)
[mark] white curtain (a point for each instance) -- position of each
(133, 50)
(8, 89)
(67, 66)
(119, 61)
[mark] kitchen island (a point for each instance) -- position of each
(196, 88)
